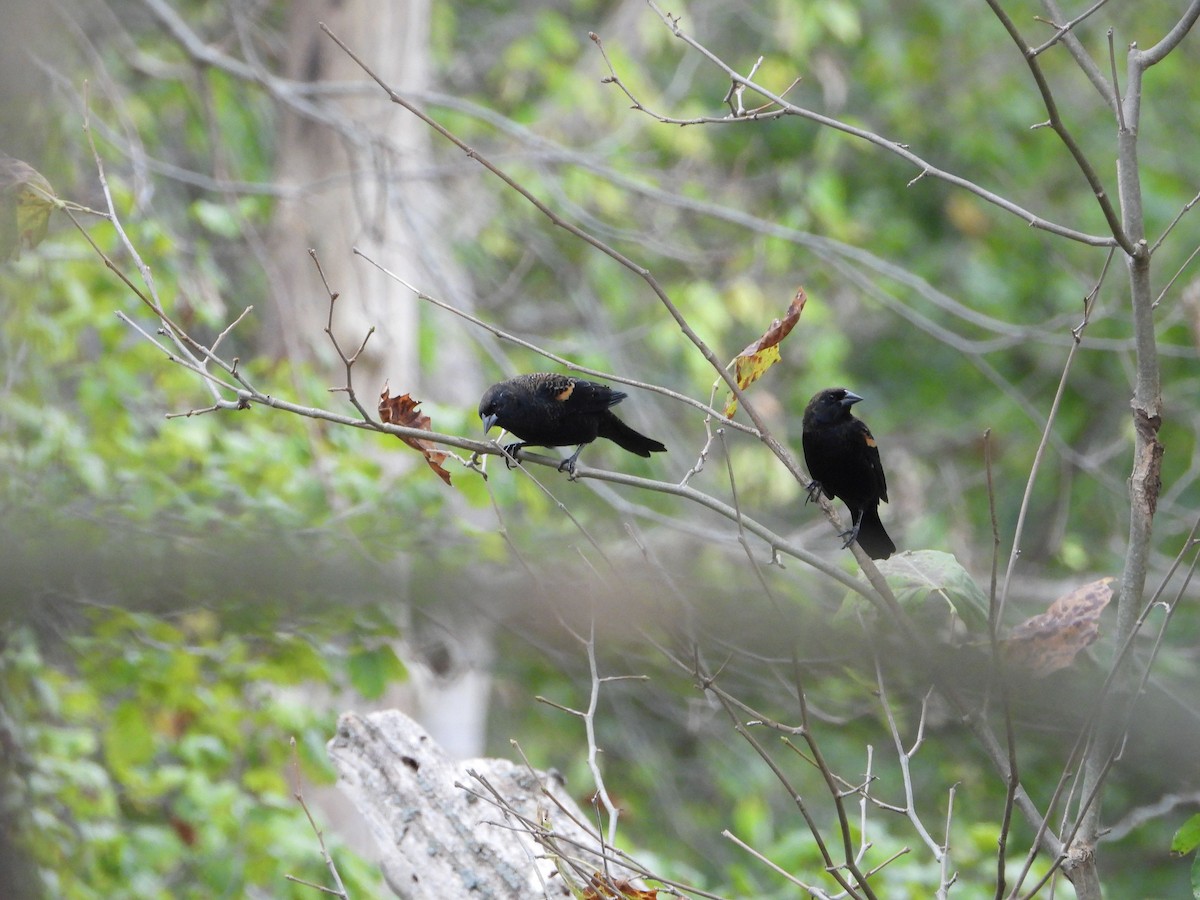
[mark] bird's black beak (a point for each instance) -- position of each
(488, 422)
(850, 399)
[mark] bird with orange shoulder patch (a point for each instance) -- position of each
(843, 459)
(549, 410)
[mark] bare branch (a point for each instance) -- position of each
(891, 146)
(1077, 336)
(1187, 207)
(904, 759)
(1079, 54)
(781, 452)
(1116, 84)
(812, 890)
(1060, 128)
(707, 409)
(298, 794)
(347, 361)
(1066, 28)
(1172, 39)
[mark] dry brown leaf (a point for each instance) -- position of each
(403, 411)
(751, 363)
(1051, 641)
(603, 888)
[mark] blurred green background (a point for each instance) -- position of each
(182, 596)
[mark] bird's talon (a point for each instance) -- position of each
(510, 455)
(814, 492)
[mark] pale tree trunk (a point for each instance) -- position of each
(369, 192)
(364, 186)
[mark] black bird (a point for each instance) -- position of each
(549, 410)
(843, 459)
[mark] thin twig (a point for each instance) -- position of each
(298, 794)
(347, 361)
(947, 880)
(904, 758)
(1059, 127)
(1187, 262)
(1116, 83)
(1064, 29)
(813, 890)
(781, 452)
(1162, 237)
(895, 147)
(708, 684)
(1077, 337)
(503, 335)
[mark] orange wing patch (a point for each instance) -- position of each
(565, 394)
(870, 441)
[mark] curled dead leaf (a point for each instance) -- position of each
(403, 411)
(1051, 641)
(601, 887)
(753, 362)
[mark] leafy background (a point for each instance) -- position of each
(176, 591)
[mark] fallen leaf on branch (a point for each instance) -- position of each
(1051, 641)
(26, 200)
(751, 363)
(403, 411)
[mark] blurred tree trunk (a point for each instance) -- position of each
(368, 193)
(371, 192)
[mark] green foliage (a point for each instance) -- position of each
(1187, 838)
(165, 585)
(154, 758)
(1185, 842)
(205, 584)
(933, 588)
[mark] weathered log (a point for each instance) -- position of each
(482, 828)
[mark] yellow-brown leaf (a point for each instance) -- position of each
(26, 201)
(753, 362)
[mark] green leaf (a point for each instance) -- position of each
(1187, 839)
(927, 582)
(293, 660)
(371, 670)
(265, 780)
(128, 741)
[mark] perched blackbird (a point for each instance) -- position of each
(550, 410)
(843, 459)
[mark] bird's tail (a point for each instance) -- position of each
(626, 438)
(872, 537)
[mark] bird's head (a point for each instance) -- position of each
(830, 405)
(493, 405)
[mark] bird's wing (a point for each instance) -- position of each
(586, 396)
(873, 460)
